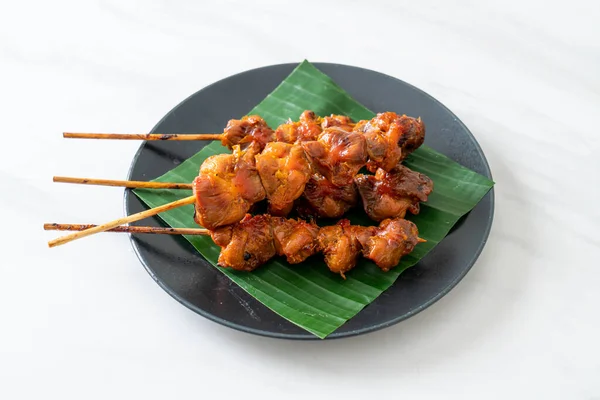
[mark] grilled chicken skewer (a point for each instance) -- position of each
(325, 153)
(256, 239)
(220, 202)
(388, 138)
(336, 147)
(317, 158)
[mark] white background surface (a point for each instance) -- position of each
(86, 321)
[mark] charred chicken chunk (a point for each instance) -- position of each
(391, 194)
(390, 138)
(250, 128)
(246, 176)
(340, 247)
(250, 243)
(326, 200)
(340, 121)
(306, 128)
(338, 155)
(226, 188)
(393, 239)
(218, 201)
(284, 171)
(294, 239)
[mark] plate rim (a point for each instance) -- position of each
(308, 335)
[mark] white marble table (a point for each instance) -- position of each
(78, 322)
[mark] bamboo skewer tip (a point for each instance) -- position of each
(129, 229)
(121, 221)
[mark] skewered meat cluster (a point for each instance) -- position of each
(256, 239)
(385, 245)
(318, 159)
(384, 195)
(316, 162)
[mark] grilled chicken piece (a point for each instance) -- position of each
(308, 127)
(393, 239)
(227, 186)
(362, 233)
(340, 247)
(326, 200)
(249, 129)
(391, 194)
(246, 176)
(390, 138)
(294, 239)
(338, 155)
(340, 121)
(250, 243)
(218, 201)
(284, 171)
(222, 236)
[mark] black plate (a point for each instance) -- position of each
(184, 274)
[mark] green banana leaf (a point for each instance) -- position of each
(309, 295)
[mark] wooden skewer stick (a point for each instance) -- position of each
(121, 221)
(127, 184)
(144, 136)
(141, 229)
(129, 229)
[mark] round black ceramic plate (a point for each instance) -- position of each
(184, 274)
